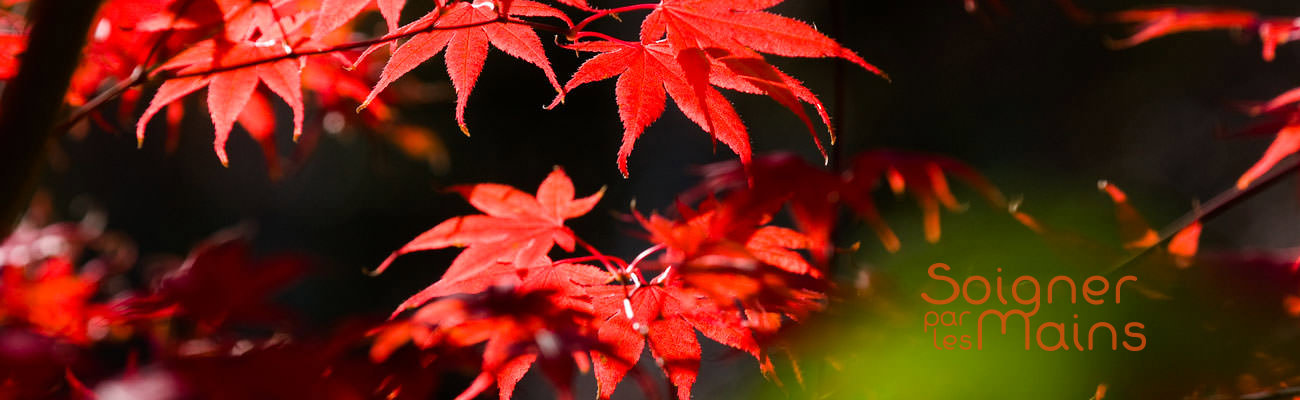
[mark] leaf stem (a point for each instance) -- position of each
(621, 275)
(353, 45)
(643, 256)
(604, 259)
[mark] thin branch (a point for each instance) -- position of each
(640, 257)
(1280, 393)
(1283, 393)
(363, 43)
(604, 259)
(144, 77)
(137, 77)
(1212, 208)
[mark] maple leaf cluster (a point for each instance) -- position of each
(208, 326)
(241, 53)
(74, 325)
(720, 268)
(204, 327)
(717, 265)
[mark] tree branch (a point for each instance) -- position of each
(140, 79)
(30, 104)
(1220, 203)
(338, 48)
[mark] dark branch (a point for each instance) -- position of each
(1217, 205)
(117, 90)
(30, 104)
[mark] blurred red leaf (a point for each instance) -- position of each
(816, 195)
(520, 326)
(52, 299)
(1157, 22)
(221, 283)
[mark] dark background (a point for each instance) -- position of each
(1028, 96)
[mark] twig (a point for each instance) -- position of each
(363, 43)
(137, 77)
(1212, 208)
(1272, 394)
(143, 77)
(1280, 393)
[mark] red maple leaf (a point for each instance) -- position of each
(1137, 234)
(12, 45)
(476, 25)
(1286, 144)
(726, 251)
(725, 273)
(666, 316)
(1183, 246)
(1287, 141)
(922, 175)
(1134, 234)
(1273, 32)
(709, 43)
(648, 75)
(1157, 22)
(517, 232)
(728, 36)
(1134, 230)
(339, 90)
(740, 27)
(113, 50)
(568, 280)
(252, 32)
(813, 194)
(544, 320)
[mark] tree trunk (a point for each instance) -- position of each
(29, 107)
